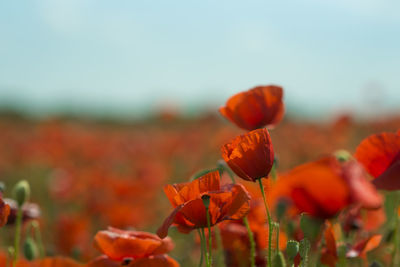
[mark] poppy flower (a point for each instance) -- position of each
(364, 246)
(4, 212)
(30, 211)
(133, 248)
(324, 187)
(258, 107)
(151, 261)
(251, 155)
(380, 155)
(228, 202)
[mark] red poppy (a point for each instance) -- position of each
(133, 248)
(380, 155)
(119, 244)
(258, 107)
(30, 211)
(151, 261)
(364, 246)
(229, 202)
(251, 155)
(4, 212)
(324, 187)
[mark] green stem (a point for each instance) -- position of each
(276, 226)
(204, 242)
(209, 236)
(39, 240)
(17, 238)
(269, 223)
(246, 223)
(201, 248)
(220, 255)
(252, 243)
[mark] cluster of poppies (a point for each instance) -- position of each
(333, 210)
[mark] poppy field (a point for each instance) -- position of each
(243, 186)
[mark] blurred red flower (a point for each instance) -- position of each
(229, 202)
(251, 155)
(324, 187)
(133, 248)
(258, 107)
(4, 212)
(380, 155)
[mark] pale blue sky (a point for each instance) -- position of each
(133, 55)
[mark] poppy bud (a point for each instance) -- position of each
(21, 192)
(30, 249)
(292, 248)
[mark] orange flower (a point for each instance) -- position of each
(229, 202)
(251, 155)
(258, 107)
(132, 248)
(4, 212)
(151, 261)
(364, 246)
(324, 187)
(380, 155)
(119, 244)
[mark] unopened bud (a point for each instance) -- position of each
(21, 192)
(30, 249)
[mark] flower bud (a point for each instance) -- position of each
(30, 249)
(21, 192)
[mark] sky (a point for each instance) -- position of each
(131, 56)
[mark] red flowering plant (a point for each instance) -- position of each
(204, 203)
(132, 248)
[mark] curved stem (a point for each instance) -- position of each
(17, 238)
(269, 223)
(252, 243)
(205, 248)
(38, 238)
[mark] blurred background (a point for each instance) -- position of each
(102, 103)
(134, 57)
